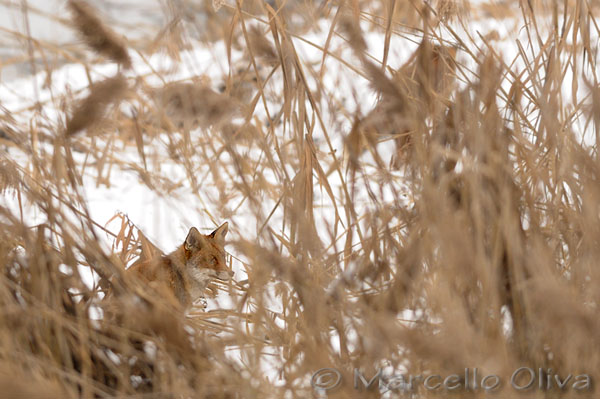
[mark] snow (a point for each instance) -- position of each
(165, 219)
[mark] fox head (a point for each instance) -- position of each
(205, 255)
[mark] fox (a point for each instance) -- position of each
(187, 270)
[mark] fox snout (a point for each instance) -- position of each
(224, 275)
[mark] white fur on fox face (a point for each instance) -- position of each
(201, 276)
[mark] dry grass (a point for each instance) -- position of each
(490, 264)
(97, 35)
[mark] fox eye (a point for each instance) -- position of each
(213, 261)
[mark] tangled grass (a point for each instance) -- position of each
(453, 225)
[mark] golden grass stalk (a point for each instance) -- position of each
(97, 35)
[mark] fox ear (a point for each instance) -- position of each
(192, 241)
(220, 232)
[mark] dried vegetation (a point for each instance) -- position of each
(473, 245)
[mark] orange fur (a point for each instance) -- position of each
(187, 271)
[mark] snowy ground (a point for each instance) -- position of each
(166, 219)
